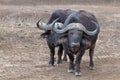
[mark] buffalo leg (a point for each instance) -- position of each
(71, 64)
(52, 53)
(78, 61)
(60, 52)
(91, 53)
(65, 56)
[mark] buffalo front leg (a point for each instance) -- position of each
(78, 61)
(52, 53)
(60, 52)
(71, 64)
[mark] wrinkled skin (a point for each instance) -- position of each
(52, 38)
(77, 41)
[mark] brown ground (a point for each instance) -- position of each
(24, 55)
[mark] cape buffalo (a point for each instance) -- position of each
(58, 15)
(80, 30)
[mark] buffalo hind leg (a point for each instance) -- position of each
(65, 56)
(91, 53)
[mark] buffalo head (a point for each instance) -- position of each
(74, 33)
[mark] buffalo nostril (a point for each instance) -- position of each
(75, 45)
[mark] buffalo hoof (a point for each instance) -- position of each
(78, 74)
(91, 68)
(71, 70)
(59, 61)
(51, 63)
(64, 59)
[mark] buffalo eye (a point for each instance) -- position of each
(71, 33)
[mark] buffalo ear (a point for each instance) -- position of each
(45, 34)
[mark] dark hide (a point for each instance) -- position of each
(53, 38)
(77, 41)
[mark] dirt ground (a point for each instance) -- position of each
(24, 55)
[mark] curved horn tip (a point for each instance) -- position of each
(54, 22)
(58, 18)
(39, 20)
(37, 23)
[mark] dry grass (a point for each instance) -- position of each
(61, 2)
